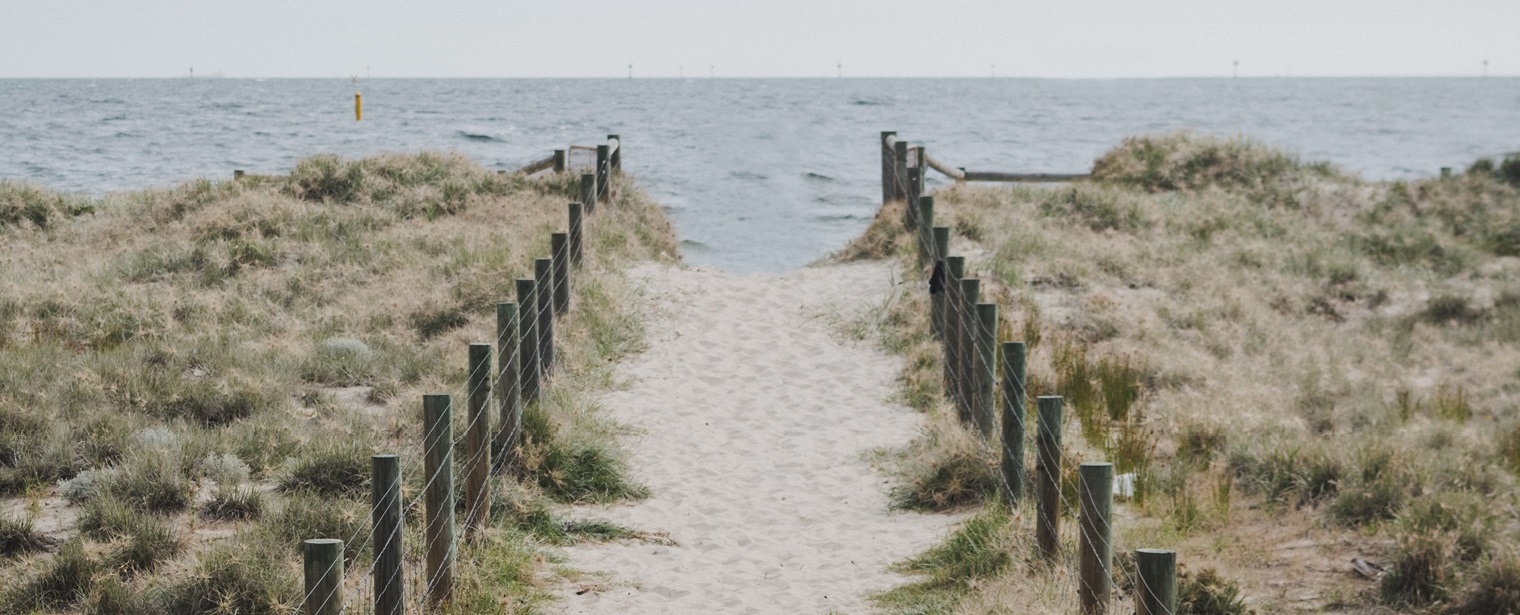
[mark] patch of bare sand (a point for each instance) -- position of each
(753, 421)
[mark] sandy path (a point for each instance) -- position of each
(753, 418)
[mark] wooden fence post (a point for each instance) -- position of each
(237, 175)
(323, 560)
(910, 200)
(965, 367)
(1047, 476)
(543, 283)
(477, 462)
(923, 233)
(900, 172)
(588, 191)
(918, 173)
(561, 161)
(1013, 422)
(1156, 590)
(617, 154)
(985, 411)
(559, 251)
(937, 302)
(527, 341)
(954, 268)
(603, 173)
(385, 533)
(887, 167)
(438, 468)
(573, 231)
(1095, 487)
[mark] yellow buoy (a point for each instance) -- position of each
(358, 106)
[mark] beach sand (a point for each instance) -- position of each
(754, 417)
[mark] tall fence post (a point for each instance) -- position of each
(438, 467)
(617, 154)
(985, 411)
(559, 252)
(937, 302)
(477, 463)
(955, 267)
(910, 199)
(508, 389)
(574, 232)
(603, 159)
(527, 341)
(887, 167)
(965, 366)
(323, 562)
(385, 533)
(900, 171)
(588, 191)
(543, 282)
(1095, 486)
(1047, 476)
(561, 161)
(1156, 591)
(923, 233)
(1013, 422)
(918, 173)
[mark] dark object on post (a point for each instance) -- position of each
(477, 443)
(527, 341)
(1047, 476)
(1156, 592)
(1095, 487)
(323, 559)
(385, 533)
(543, 295)
(559, 249)
(937, 299)
(574, 232)
(588, 191)
(1014, 404)
(438, 467)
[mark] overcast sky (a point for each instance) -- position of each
(757, 38)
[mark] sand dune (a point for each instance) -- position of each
(753, 417)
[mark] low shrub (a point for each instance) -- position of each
(1205, 592)
(19, 537)
(1495, 589)
(338, 469)
(1420, 571)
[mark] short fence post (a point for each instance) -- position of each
(508, 389)
(237, 175)
(477, 463)
(323, 559)
(543, 283)
(527, 341)
(900, 171)
(1445, 172)
(573, 231)
(1096, 490)
(561, 161)
(603, 174)
(617, 154)
(588, 191)
(986, 367)
(559, 252)
(385, 533)
(1013, 422)
(438, 465)
(1047, 476)
(965, 367)
(954, 268)
(1156, 591)
(924, 233)
(910, 200)
(937, 302)
(886, 166)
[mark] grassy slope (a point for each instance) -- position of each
(207, 368)
(1301, 365)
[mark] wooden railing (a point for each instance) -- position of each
(608, 159)
(903, 166)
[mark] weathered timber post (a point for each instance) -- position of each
(543, 283)
(323, 563)
(603, 173)
(574, 232)
(1095, 488)
(1156, 590)
(918, 175)
(1047, 476)
(527, 341)
(900, 171)
(588, 191)
(937, 301)
(617, 154)
(955, 267)
(910, 200)
(438, 467)
(1445, 172)
(561, 161)
(559, 251)
(965, 367)
(477, 462)
(385, 533)
(508, 388)
(887, 167)
(1014, 397)
(237, 175)
(923, 233)
(985, 411)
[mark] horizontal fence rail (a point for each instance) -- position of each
(900, 160)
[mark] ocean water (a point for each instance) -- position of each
(759, 175)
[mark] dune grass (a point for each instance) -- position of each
(1267, 344)
(201, 372)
